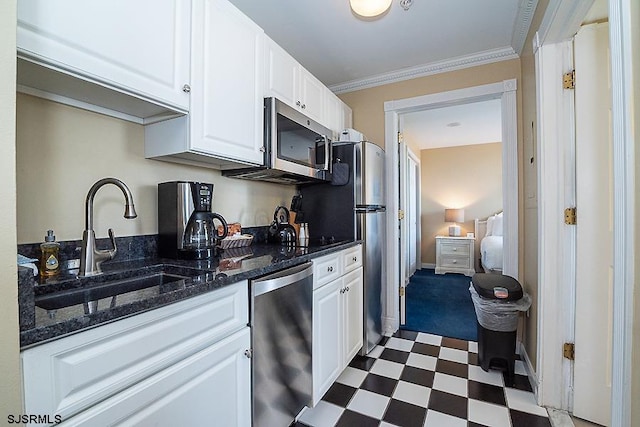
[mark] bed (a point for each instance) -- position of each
(488, 234)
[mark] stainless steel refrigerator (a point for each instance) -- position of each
(353, 207)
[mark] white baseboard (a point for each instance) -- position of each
(559, 418)
(428, 265)
(531, 372)
(389, 326)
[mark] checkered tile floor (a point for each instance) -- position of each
(417, 379)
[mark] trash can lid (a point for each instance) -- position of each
(496, 286)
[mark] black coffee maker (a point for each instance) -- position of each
(186, 224)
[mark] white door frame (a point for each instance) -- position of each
(561, 21)
(418, 207)
(506, 91)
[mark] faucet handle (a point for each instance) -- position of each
(113, 251)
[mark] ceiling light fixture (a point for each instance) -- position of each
(370, 8)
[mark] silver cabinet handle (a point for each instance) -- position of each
(347, 289)
(304, 106)
(455, 261)
(298, 103)
(342, 291)
(262, 149)
(355, 259)
(186, 88)
(248, 353)
(455, 249)
(329, 269)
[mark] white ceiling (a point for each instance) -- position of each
(467, 124)
(347, 53)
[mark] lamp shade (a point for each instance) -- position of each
(454, 215)
(369, 8)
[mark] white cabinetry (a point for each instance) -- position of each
(174, 365)
(337, 316)
(291, 83)
(225, 124)
(131, 57)
(455, 255)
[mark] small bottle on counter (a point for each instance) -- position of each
(303, 236)
(49, 259)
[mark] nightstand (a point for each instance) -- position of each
(455, 255)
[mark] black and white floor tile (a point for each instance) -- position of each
(417, 379)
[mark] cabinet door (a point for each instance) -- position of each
(353, 314)
(333, 112)
(282, 74)
(311, 96)
(211, 387)
(227, 83)
(327, 337)
(140, 46)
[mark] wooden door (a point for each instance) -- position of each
(594, 232)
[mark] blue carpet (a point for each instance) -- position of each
(440, 304)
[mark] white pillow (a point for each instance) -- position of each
(497, 225)
(490, 221)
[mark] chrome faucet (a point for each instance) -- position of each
(90, 257)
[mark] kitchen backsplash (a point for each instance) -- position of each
(129, 248)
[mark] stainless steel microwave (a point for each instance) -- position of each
(296, 148)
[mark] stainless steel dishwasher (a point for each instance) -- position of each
(281, 315)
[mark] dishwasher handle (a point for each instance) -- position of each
(281, 278)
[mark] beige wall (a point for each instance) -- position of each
(10, 385)
(529, 225)
(469, 177)
(62, 151)
(368, 104)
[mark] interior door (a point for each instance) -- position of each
(413, 213)
(594, 228)
(402, 225)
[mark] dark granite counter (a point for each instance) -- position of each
(66, 304)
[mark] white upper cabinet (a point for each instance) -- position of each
(225, 123)
(337, 113)
(103, 52)
(290, 82)
(227, 72)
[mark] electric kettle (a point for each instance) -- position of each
(280, 230)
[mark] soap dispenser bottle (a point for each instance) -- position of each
(49, 260)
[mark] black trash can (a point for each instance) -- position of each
(498, 301)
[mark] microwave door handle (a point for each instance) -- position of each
(327, 152)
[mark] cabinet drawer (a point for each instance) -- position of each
(326, 269)
(211, 387)
(352, 258)
(73, 373)
(454, 262)
(461, 249)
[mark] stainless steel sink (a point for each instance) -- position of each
(123, 287)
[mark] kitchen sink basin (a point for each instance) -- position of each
(160, 281)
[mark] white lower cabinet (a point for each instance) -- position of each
(211, 387)
(337, 321)
(182, 364)
(327, 337)
(352, 314)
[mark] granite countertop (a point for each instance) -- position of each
(50, 319)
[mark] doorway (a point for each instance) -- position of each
(459, 151)
(504, 91)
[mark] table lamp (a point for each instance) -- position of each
(455, 216)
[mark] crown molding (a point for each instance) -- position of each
(526, 10)
(473, 60)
